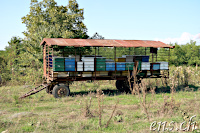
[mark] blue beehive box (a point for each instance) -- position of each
(156, 66)
(69, 64)
(110, 66)
(145, 58)
(70, 68)
(69, 59)
(120, 66)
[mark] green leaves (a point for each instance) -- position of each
(185, 54)
(66, 20)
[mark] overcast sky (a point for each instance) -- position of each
(164, 20)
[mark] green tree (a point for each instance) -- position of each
(185, 54)
(48, 20)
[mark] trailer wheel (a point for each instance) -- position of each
(60, 90)
(122, 86)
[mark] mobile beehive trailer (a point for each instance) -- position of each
(64, 61)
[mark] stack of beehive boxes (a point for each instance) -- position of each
(155, 66)
(145, 65)
(80, 66)
(129, 62)
(129, 65)
(103, 65)
(58, 64)
(69, 64)
(120, 64)
(110, 66)
(100, 64)
(88, 63)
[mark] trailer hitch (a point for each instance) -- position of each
(35, 90)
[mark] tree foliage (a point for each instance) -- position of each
(22, 59)
(188, 54)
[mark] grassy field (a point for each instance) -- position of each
(87, 111)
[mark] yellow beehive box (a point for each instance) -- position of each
(120, 59)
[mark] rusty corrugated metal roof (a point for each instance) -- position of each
(103, 43)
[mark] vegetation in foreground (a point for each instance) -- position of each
(89, 110)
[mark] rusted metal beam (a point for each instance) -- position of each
(34, 91)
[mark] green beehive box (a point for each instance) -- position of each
(101, 59)
(58, 64)
(101, 63)
(129, 68)
(57, 68)
(130, 65)
(61, 59)
(101, 69)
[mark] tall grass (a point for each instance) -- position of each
(92, 106)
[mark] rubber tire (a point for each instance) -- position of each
(122, 86)
(56, 89)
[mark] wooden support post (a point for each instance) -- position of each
(75, 64)
(95, 62)
(44, 61)
(115, 60)
(48, 62)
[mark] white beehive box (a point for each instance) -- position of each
(80, 63)
(164, 65)
(88, 63)
(79, 69)
(79, 66)
(88, 69)
(129, 58)
(91, 59)
(145, 66)
(88, 66)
